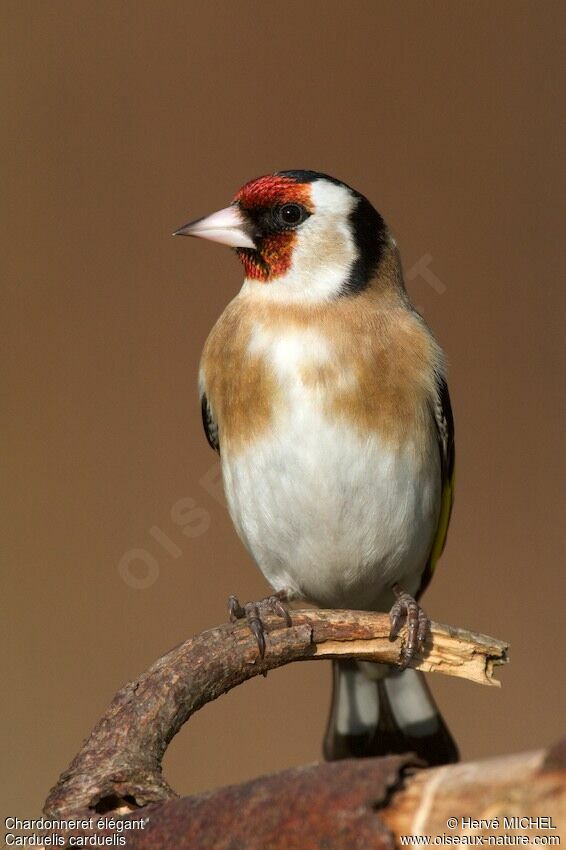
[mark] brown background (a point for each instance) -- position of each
(120, 122)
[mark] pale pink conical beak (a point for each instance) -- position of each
(228, 226)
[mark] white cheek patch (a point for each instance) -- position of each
(324, 250)
(332, 198)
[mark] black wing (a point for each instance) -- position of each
(209, 424)
(445, 428)
(444, 421)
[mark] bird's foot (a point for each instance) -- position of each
(253, 612)
(418, 624)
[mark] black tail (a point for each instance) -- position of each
(378, 710)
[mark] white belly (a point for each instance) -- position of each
(334, 517)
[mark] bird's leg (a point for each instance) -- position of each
(418, 624)
(252, 611)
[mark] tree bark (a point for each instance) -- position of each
(365, 804)
(485, 798)
(119, 766)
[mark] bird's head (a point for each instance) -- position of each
(300, 235)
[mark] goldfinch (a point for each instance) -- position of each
(324, 393)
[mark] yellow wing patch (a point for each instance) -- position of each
(446, 503)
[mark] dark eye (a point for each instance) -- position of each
(290, 215)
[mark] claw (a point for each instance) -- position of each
(396, 619)
(405, 608)
(256, 626)
(424, 625)
(235, 610)
(277, 608)
(252, 612)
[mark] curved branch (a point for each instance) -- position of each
(120, 763)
